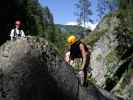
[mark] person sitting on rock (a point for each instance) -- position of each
(78, 49)
(17, 32)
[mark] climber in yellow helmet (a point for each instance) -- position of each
(78, 49)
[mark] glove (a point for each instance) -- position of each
(81, 77)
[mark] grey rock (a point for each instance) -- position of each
(111, 57)
(33, 70)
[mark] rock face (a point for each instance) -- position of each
(30, 69)
(112, 57)
(104, 56)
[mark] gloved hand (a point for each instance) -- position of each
(81, 77)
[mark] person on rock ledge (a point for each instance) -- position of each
(17, 32)
(79, 49)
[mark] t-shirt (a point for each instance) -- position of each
(16, 32)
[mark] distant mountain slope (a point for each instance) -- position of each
(70, 28)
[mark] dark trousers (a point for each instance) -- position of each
(85, 70)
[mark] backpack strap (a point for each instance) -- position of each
(20, 33)
(17, 35)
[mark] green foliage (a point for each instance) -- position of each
(125, 4)
(126, 18)
(127, 76)
(124, 81)
(89, 78)
(49, 25)
(70, 29)
(130, 21)
(124, 31)
(112, 57)
(32, 16)
(126, 11)
(38, 20)
(60, 40)
(61, 34)
(94, 37)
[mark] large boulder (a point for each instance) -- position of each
(30, 69)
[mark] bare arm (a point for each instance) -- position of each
(68, 58)
(12, 34)
(22, 33)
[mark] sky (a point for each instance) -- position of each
(63, 11)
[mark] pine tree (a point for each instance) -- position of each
(83, 12)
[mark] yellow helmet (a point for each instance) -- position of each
(71, 39)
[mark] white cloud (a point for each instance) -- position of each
(71, 23)
(88, 25)
(91, 25)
